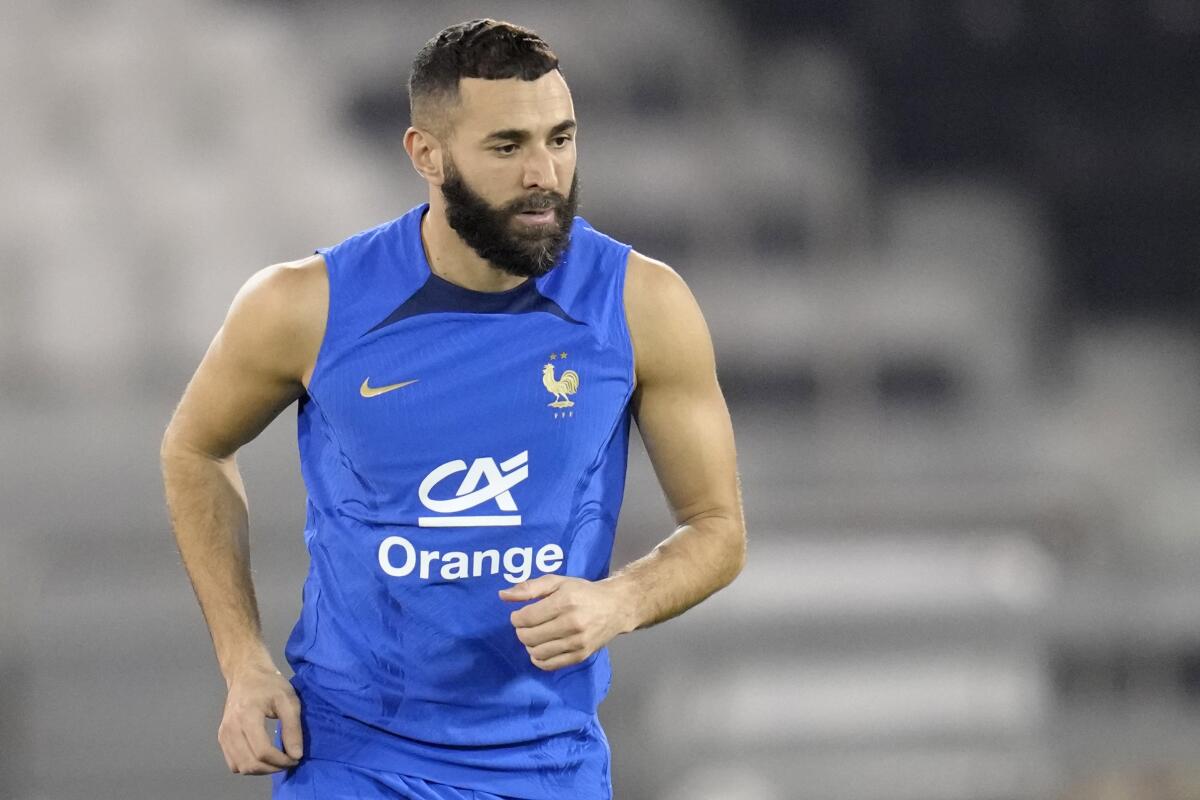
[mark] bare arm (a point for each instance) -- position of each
(254, 368)
(685, 424)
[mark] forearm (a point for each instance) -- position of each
(209, 515)
(695, 561)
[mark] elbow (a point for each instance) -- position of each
(171, 446)
(727, 532)
(164, 447)
(738, 561)
(175, 449)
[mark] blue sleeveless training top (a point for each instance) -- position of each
(453, 443)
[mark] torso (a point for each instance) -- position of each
(453, 443)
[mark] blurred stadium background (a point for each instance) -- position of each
(948, 253)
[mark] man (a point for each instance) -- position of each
(465, 376)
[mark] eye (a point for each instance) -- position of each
(505, 149)
(561, 140)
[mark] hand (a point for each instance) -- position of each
(258, 693)
(574, 618)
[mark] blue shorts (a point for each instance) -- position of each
(320, 779)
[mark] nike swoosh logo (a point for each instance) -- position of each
(375, 391)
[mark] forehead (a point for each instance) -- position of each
(485, 106)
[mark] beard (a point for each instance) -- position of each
(527, 251)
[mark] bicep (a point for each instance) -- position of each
(248, 375)
(679, 407)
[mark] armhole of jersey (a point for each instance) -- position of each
(626, 334)
(327, 335)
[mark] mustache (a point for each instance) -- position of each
(537, 203)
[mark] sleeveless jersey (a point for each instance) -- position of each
(453, 443)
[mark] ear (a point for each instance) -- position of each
(425, 151)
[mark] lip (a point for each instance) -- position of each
(543, 217)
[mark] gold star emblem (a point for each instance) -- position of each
(552, 356)
(562, 355)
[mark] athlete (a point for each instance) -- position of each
(465, 376)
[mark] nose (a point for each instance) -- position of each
(540, 172)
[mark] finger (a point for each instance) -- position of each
(557, 628)
(261, 748)
(556, 647)
(529, 590)
(234, 747)
(225, 755)
(288, 711)
(538, 613)
(557, 662)
(249, 763)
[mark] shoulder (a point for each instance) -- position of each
(645, 276)
(665, 322)
(280, 313)
(284, 298)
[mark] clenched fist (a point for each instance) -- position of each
(256, 694)
(572, 619)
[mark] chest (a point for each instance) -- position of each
(436, 389)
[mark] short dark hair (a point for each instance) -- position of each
(481, 48)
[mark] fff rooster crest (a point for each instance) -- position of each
(561, 387)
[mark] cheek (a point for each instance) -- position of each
(566, 160)
(566, 173)
(484, 174)
(495, 182)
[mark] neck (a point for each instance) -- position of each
(453, 259)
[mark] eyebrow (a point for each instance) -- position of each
(519, 135)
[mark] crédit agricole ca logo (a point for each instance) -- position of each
(399, 558)
(500, 480)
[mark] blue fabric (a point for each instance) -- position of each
(454, 451)
(439, 295)
(317, 779)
